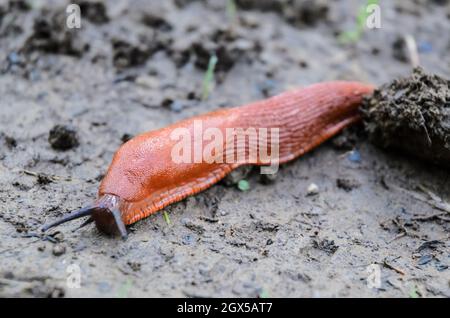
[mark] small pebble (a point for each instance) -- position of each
(58, 236)
(188, 239)
(425, 47)
(59, 249)
(354, 156)
(147, 81)
(425, 259)
(176, 106)
(13, 58)
(313, 189)
(267, 87)
(104, 287)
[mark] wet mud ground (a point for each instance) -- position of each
(139, 65)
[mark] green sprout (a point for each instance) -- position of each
(413, 293)
(209, 76)
(231, 10)
(124, 289)
(243, 185)
(264, 294)
(166, 217)
(353, 36)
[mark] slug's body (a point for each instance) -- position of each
(144, 178)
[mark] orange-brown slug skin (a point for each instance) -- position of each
(144, 178)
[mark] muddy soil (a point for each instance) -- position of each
(412, 114)
(71, 97)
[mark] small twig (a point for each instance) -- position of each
(403, 230)
(412, 49)
(426, 130)
(428, 217)
(50, 177)
(435, 201)
(397, 237)
(390, 266)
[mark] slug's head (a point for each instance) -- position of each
(104, 212)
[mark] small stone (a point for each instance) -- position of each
(176, 106)
(58, 236)
(59, 250)
(425, 259)
(14, 58)
(313, 189)
(188, 239)
(147, 81)
(425, 47)
(354, 156)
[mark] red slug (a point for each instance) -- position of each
(153, 169)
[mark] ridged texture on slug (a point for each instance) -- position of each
(145, 177)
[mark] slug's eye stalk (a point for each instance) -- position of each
(108, 220)
(119, 223)
(71, 216)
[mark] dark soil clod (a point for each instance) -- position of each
(412, 115)
(10, 142)
(156, 22)
(49, 35)
(328, 246)
(347, 184)
(94, 11)
(63, 138)
(297, 13)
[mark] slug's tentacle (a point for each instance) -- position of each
(87, 222)
(72, 216)
(105, 212)
(119, 223)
